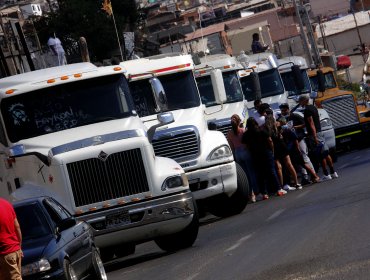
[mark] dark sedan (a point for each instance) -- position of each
(55, 246)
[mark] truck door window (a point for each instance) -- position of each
(206, 91)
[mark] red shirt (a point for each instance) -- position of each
(9, 242)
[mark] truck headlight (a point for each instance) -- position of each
(39, 266)
(175, 182)
(220, 152)
(325, 124)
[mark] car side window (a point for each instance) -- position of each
(56, 211)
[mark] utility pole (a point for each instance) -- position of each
(303, 34)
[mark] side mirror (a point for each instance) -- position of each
(298, 77)
(321, 81)
(256, 85)
(66, 224)
(163, 118)
(159, 94)
(218, 86)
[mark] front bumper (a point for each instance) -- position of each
(214, 180)
(147, 220)
(347, 134)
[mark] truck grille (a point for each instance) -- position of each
(119, 175)
(342, 111)
(181, 144)
(224, 128)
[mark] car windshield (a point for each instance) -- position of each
(180, 88)
(232, 88)
(329, 81)
(66, 106)
(32, 221)
(290, 85)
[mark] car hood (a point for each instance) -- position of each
(33, 250)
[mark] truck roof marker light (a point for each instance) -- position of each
(93, 209)
(79, 75)
(135, 199)
(51, 81)
(9, 91)
(172, 68)
(63, 78)
(227, 66)
(117, 68)
(79, 212)
(121, 201)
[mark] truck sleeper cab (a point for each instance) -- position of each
(204, 154)
(72, 133)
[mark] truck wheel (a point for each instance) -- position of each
(69, 272)
(125, 250)
(182, 239)
(223, 206)
(97, 270)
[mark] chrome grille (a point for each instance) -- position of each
(117, 175)
(342, 111)
(180, 144)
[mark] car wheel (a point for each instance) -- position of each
(182, 239)
(69, 272)
(97, 270)
(223, 206)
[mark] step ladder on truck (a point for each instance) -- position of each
(217, 182)
(71, 132)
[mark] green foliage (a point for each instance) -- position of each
(85, 18)
(343, 84)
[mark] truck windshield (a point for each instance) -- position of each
(180, 88)
(232, 87)
(270, 83)
(66, 106)
(329, 81)
(290, 85)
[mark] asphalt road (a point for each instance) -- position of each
(320, 232)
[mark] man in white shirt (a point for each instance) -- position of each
(56, 47)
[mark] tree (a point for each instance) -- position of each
(85, 18)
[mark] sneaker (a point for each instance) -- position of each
(334, 175)
(265, 196)
(252, 198)
(288, 188)
(298, 187)
(281, 192)
(326, 178)
(259, 197)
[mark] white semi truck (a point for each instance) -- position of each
(214, 178)
(279, 85)
(219, 112)
(72, 133)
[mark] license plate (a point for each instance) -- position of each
(117, 219)
(344, 139)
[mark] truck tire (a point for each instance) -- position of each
(97, 270)
(223, 206)
(69, 272)
(182, 239)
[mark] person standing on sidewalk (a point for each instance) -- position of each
(56, 48)
(316, 138)
(10, 243)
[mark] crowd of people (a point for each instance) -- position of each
(280, 152)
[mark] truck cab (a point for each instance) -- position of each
(219, 111)
(215, 179)
(346, 112)
(72, 133)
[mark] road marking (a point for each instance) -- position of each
(240, 242)
(276, 214)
